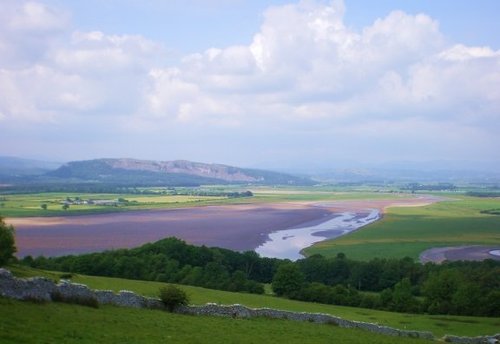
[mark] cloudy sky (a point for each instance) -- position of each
(251, 83)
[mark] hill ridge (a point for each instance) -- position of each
(174, 172)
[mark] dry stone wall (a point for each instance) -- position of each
(43, 289)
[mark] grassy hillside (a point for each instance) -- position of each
(409, 231)
(439, 325)
(179, 172)
(24, 322)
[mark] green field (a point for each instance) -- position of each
(407, 231)
(21, 205)
(439, 325)
(26, 205)
(25, 322)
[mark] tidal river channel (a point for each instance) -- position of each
(288, 243)
(278, 230)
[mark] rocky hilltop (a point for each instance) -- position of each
(217, 171)
(177, 172)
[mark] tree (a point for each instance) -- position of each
(173, 297)
(65, 206)
(7, 243)
(467, 299)
(288, 280)
(402, 298)
(439, 289)
(43, 206)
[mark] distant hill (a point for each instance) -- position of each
(175, 173)
(18, 167)
(382, 175)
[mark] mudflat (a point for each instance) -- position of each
(474, 252)
(237, 227)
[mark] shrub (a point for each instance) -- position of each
(7, 243)
(173, 297)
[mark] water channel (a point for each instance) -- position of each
(287, 244)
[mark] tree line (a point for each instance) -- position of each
(171, 260)
(401, 285)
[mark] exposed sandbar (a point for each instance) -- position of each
(475, 252)
(237, 227)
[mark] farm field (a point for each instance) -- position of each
(30, 205)
(407, 231)
(439, 325)
(27, 205)
(55, 322)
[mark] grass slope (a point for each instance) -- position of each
(439, 325)
(410, 230)
(24, 322)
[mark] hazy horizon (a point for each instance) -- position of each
(268, 84)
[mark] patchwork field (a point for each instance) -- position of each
(23, 205)
(408, 231)
(30, 205)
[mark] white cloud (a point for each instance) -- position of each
(35, 17)
(305, 64)
(97, 53)
(66, 74)
(27, 30)
(303, 71)
(461, 52)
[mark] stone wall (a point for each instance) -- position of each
(42, 289)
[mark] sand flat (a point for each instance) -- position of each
(237, 227)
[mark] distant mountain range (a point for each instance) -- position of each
(16, 167)
(401, 175)
(387, 172)
(134, 172)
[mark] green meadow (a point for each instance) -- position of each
(407, 231)
(439, 325)
(25, 322)
(26, 205)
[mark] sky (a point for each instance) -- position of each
(277, 84)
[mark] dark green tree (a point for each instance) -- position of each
(7, 242)
(288, 280)
(466, 300)
(439, 290)
(402, 298)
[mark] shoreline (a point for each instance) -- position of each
(455, 253)
(239, 227)
(290, 243)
